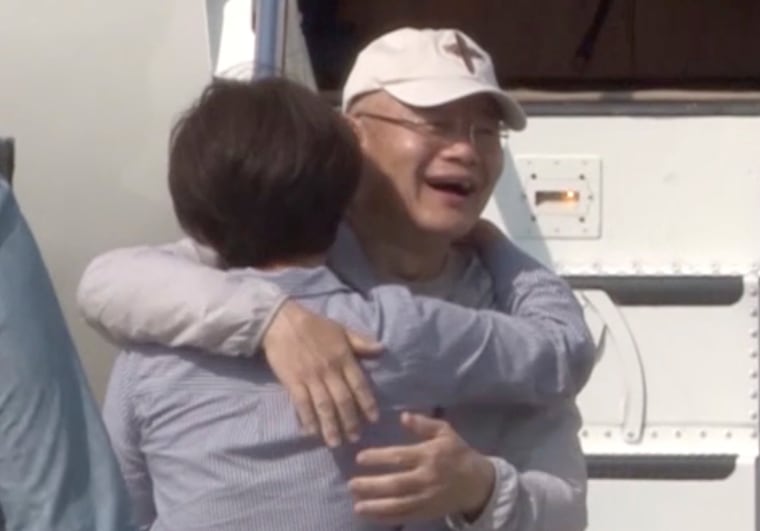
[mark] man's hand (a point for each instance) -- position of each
(315, 359)
(439, 476)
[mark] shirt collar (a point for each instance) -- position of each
(299, 282)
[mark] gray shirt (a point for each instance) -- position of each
(529, 425)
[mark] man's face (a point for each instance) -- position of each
(434, 167)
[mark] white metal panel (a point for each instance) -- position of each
(699, 365)
(676, 196)
(90, 89)
(676, 190)
(655, 505)
(560, 198)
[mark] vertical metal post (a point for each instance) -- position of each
(269, 26)
(7, 163)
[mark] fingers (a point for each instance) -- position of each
(299, 393)
(423, 426)
(323, 405)
(425, 480)
(391, 510)
(363, 346)
(315, 358)
(343, 401)
(396, 484)
(338, 391)
(405, 456)
(402, 457)
(360, 389)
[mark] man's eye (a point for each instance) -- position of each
(439, 128)
(487, 130)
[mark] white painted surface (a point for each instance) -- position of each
(724, 505)
(90, 89)
(674, 190)
(676, 196)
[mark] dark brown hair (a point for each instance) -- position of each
(262, 171)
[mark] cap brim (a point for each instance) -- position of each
(431, 93)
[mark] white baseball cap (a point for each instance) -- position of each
(427, 68)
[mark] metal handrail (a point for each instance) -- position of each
(7, 158)
(269, 26)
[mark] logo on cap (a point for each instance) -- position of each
(464, 52)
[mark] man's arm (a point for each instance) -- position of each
(57, 469)
(123, 427)
(449, 354)
(530, 292)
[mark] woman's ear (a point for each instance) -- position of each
(356, 126)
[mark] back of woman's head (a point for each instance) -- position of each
(262, 171)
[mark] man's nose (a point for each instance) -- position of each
(463, 147)
(463, 151)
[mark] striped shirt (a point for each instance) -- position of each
(217, 440)
(519, 415)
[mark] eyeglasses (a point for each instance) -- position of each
(486, 133)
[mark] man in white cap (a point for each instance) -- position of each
(429, 68)
(429, 114)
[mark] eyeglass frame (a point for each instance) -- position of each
(446, 130)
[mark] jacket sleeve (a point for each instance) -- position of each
(549, 314)
(172, 295)
(546, 489)
(447, 354)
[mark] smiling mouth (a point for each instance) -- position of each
(459, 188)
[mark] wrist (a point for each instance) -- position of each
(282, 323)
(478, 486)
